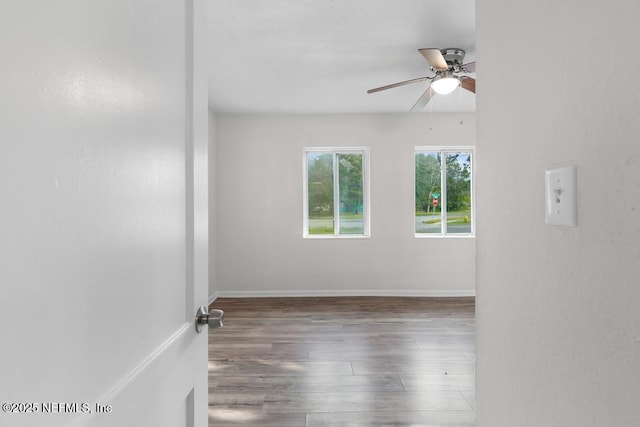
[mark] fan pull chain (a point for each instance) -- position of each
(460, 103)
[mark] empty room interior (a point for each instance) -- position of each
(377, 326)
(320, 213)
(554, 302)
(348, 291)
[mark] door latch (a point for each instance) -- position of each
(213, 318)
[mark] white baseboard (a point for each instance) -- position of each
(212, 298)
(343, 293)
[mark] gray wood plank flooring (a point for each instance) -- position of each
(349, 361)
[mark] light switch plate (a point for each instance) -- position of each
(561, 197)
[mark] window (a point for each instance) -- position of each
(444, 192)
(336, 199)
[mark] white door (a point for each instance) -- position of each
(103, 230)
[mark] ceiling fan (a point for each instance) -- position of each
(446, 64)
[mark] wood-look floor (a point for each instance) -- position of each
(343, 362)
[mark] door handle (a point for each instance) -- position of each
(213, 318)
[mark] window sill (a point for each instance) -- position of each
(444, 236)
(331, 236)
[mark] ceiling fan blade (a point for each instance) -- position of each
(423, 100)
(406, 82)
(434, 58)
(468, 83)
(470, 67)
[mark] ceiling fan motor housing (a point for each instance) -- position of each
(454, 57)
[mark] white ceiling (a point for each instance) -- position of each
(321, 56)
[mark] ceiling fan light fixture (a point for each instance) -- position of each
(445, 84)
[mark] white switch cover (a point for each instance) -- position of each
(561, 198)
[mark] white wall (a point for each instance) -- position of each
(259, 197)
(557, 314)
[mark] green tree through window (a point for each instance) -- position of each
(443, 192)
(320, 182)
(336, 199)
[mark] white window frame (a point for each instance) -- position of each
(336, 196)
(443, 201)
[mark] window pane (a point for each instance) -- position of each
(320, 192)
(350, 190)
(458, 193)
(428, 192)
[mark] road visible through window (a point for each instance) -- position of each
(443, 192)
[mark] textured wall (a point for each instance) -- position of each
(259, 174)
(558, 324)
